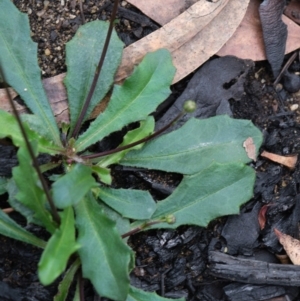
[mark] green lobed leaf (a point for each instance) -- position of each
(217, 190)
(59, 248)
(72, 187)
(145, 129)
(12, 190)
(196, 145)
(9, 128)
(105, 258)
(10, 228)
(48, 166)
(64, 285)
(122, 224)
(103, 174)
(139, 96)
(82, 57)
(130, 203)
(3, 183)
(19, 63)
(37, 125)
(136, 294)
(30, 189)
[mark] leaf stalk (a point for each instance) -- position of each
(119, 149)
(55, 215)
(141, 228)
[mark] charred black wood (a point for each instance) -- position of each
(254, 292)
(252, 271)
(242, 231)
(132, 16)
(291, 82)
(137, 18)
(8, 160)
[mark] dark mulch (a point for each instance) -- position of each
(177, 263)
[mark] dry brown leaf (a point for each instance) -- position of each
(288, 161)
(209, 26)
(56, 93)
(247, 42)
(293, 11)
(291, 246)
(4, 102)
(283, 258)
(250, 148)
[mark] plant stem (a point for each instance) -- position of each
(141, 228)
(97, 72)
(119, 149)
(31, 153)
(81, 285)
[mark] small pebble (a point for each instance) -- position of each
(47, 51)
(278, 87)
(123, 3)
(126, 23)
(294, 107)
(94, 9)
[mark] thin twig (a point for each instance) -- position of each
(31, 152)
(81, 11)
(97, 72)
(119, 149)
(285, 67)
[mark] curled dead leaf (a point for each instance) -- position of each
(247, 41)
(288, 161)
(291, 246)
(250, 148)
(262, 216)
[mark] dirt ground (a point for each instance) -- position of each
(177, 263)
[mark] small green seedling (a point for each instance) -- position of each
(87, 219)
